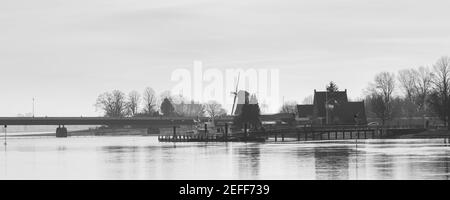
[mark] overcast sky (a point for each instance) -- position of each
(64, 53)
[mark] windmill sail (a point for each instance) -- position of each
(235, 94)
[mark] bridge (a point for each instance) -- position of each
(148, 122)
(61, 122)
(159, 121)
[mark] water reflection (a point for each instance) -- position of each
(383, 166)
(146, 158)
(248, 160)
(332, 162)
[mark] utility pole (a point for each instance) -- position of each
(326, 106)
(33, 107)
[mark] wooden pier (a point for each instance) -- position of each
(323, 133)
(189, 138)
(292, 134)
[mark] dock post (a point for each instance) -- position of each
(226, 132)
(377, 132)
(298, 135)
(174, 132)
(358, 135)
(336, 134)
(245, 130)
(275, 137)
(6, 126)
(282, 137)
(306, 136)
(329, 135)
(206, 132)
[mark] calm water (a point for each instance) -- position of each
(145, 158)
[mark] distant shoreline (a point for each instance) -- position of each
(428, 134)
(95, 132)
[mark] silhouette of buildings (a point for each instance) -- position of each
(332, 108)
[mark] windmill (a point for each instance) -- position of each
(235, 93)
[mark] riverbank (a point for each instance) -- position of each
(95, 132)
(428, 134)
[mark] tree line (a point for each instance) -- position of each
(116, 103)
(410, 93)
(423, 91)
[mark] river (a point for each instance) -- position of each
(143, 157)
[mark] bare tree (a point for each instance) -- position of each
(376, 106)
(424, 85)
(441, 80)
(289, 107)
(408, 79)
(416, 85)
(113, 104)
(134, 99)
(214, 109)
(381, 94)
(385, 84)
(150, 100)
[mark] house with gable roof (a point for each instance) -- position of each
(332, 108)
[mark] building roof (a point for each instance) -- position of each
(335, 98)
(305, 110)
(349, 112)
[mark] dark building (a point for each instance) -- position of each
(332, 108)
(305, 111)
